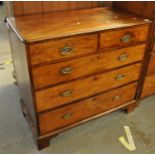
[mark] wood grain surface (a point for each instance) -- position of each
(26, 8)
(47, 75)
(79, 111)
(151, 67)
(149, 86)
(52, 50)
(72, 91)
(77, 65)
(114, 38)
(53, 25)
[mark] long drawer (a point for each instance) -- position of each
(79, 111)
(62, 48)
(123, 37)
(68, 92)
(55, 73)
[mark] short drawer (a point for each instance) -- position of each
(87, 108)
(63, 48)
(65, 71)
(149, 86)
(78, 89)
(151, 67)
(123, 37)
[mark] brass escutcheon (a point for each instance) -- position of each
(126, 38)
(117, 98)
(67, 115)
(123, 57)
(66, 93)
(66, 70)
(120, 77)
(66, 50)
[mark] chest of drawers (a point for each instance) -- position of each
(74, 66)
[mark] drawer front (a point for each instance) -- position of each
(123, 37)
(64, 48)
(151, 67)
(69, 92)
(65, 71)
(84, 109)
(149, 86)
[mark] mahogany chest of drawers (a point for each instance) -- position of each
(74, 66)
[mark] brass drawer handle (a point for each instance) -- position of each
(66, 50)
(117, 98)
(66, 93)
(66, 70)
(123, 57)
(120, 77)
(67, 115)
(126, 38)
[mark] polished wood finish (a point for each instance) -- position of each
(86, 65)
(27, 8)
(135, 7)
(79, 64)
(56, 25)
(85, 108)
(115, 38)
(131, 107)
(79, 45)
(153, 48)
(151, 67)
(143, 8)
(149, 86)
(43, 143)
(23, 79)
(85, 87)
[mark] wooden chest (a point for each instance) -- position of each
(74, 66)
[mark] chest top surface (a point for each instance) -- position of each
(40, 27)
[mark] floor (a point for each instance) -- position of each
(97, 136)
